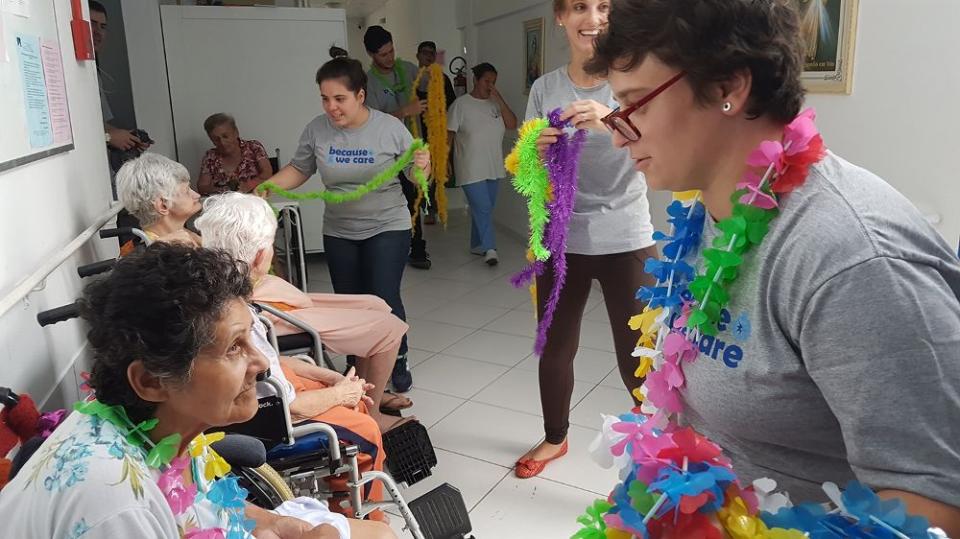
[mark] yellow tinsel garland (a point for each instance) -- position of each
(436, 119)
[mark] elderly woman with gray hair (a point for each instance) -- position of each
(156, 191)
(360, 325)
(233, 164)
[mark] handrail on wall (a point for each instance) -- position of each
(35, 279)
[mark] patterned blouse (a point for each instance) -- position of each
(251, 151)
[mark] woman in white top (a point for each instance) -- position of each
(610, 235)
(476, 123)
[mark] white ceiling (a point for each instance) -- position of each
(355, 8)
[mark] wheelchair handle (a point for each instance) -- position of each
(115, 232)
(8, 397)
(96, 268)
(59, 314)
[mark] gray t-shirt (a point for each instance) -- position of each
(349, 158)
(389, 92)
(838, 355)
(611, 213)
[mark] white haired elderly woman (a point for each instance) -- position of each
(156, 190)
(356, 324)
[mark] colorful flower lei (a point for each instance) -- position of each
(224, 493)
(551, 188)
(676, 482)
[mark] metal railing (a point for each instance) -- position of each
(31, 282)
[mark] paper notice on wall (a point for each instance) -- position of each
(56, 91)
(17, 7)
(34, 91)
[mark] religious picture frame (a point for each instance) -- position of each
(533, 47)
(829, 30)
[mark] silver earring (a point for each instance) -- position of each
(727, 106)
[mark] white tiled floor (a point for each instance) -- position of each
(476, 389)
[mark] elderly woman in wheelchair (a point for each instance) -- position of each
(152, 189)
(174, 359)
(156, 190)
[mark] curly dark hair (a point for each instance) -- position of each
(711, 40)
(160, 306)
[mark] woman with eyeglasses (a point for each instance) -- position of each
(610, 235)
(834, 351)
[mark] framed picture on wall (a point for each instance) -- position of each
(829, 29)
(533, 52)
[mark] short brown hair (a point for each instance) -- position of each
(216, 120)
(711, 40)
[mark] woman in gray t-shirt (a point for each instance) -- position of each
(366, 240)
(835, 352)
(610, 235)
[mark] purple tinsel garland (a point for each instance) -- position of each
(563, 161)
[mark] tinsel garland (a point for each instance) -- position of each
(530, 180)
(338, 197)
(435, 118)
(562, 165)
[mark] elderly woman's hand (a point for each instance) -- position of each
(421, 160)
(351, 391)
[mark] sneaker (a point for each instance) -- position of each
(402, 378)
(490, 257)
(477, 251)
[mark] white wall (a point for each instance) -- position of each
(148, 73)
(900, 121)
(45, 205)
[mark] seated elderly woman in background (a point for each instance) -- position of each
(156, 191)
(131, 462)
(355, 324)
(233, 164)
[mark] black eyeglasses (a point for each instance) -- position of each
(619, 119)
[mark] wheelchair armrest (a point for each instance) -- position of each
(312, 427)
(296, 322)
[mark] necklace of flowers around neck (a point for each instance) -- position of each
(225, 494)
(773, 169)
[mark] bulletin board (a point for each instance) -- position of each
(33, 92)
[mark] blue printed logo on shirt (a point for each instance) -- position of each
(350, 156)
(719, 348)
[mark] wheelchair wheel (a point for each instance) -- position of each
(265, 487)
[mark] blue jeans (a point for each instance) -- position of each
(482, 197)
(371, 266)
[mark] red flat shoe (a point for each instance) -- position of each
(527, 468)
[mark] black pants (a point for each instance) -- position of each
(620, 275)
(418, 246)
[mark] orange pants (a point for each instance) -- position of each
(355, 427)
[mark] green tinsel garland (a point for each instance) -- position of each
(383, 177)
(532, 181)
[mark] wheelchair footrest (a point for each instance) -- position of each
(441, 513)
(410, 455)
